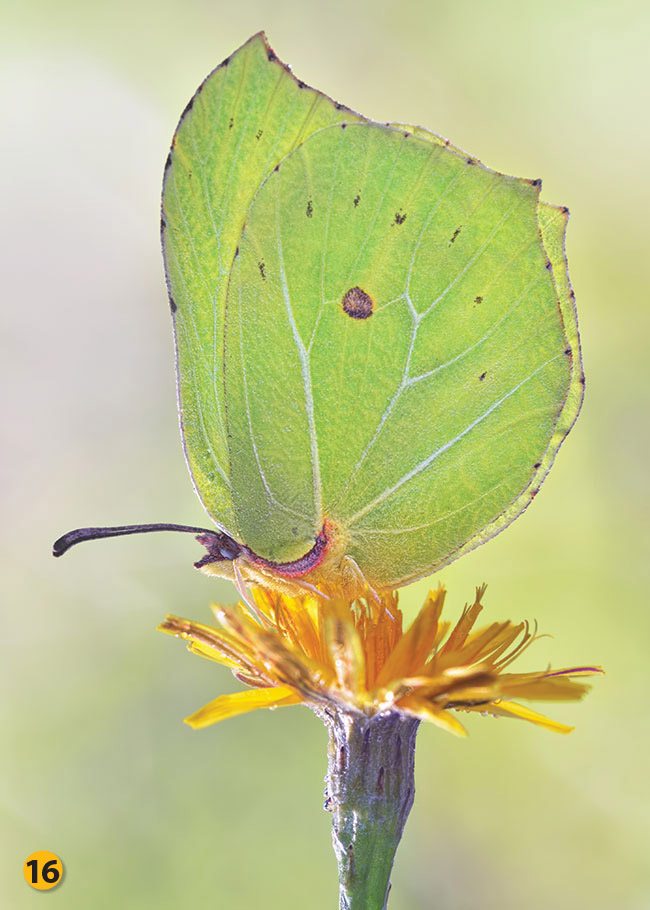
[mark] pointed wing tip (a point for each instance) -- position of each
(258, 37)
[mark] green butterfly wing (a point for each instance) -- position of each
(248, 114)
(371, 327)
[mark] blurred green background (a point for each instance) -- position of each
(96, 763)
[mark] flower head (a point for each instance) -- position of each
(330, 653)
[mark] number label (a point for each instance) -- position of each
(43, 870)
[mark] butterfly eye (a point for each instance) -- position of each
(228, 548)
(219, 547)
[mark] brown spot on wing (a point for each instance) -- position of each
(357, 303)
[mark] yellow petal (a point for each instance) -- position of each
(215, 644)
(512, 709)
(490, 642)
(414, 647)
(438, 716)
(346, 653)
(541, 687)
(203, 650)
(464, 625)
(226, 706)
(380, 628)
(297, 619)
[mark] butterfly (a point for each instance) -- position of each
(376, 339)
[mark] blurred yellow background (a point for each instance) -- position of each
(97, 765)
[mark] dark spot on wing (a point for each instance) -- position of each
(310, 208)
(343, 126)
(357, 304)
(189, 175)
(471, 161)
(277, 167)
(172, 304)
(478, 301)
(168, 162)
(482, 376)
(400, 217)
(548, 265)
(258, 134)
(567, 351)
(357, 200)
(565, 210)
(534, 493)
(338, 105)
(537, 464)
(271, 55)
(455, 234)
(188, 107)
(262, 269)
(236, 252)
(582, 380)
(301, 84)
(536, 182)
(225, 62)
(230, 123)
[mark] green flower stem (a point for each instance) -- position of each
(370, 789)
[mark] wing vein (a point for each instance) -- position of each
(426, 462)
(304, 366)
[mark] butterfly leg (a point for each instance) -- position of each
(310, 587)
(353, 576)
(240, 584)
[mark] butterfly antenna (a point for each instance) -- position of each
(79, 535)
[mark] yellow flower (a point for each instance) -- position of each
(337, 655)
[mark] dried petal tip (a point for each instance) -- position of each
(354, 657)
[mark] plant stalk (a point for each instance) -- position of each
(370, 787)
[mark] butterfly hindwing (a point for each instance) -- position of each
(417, 424)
